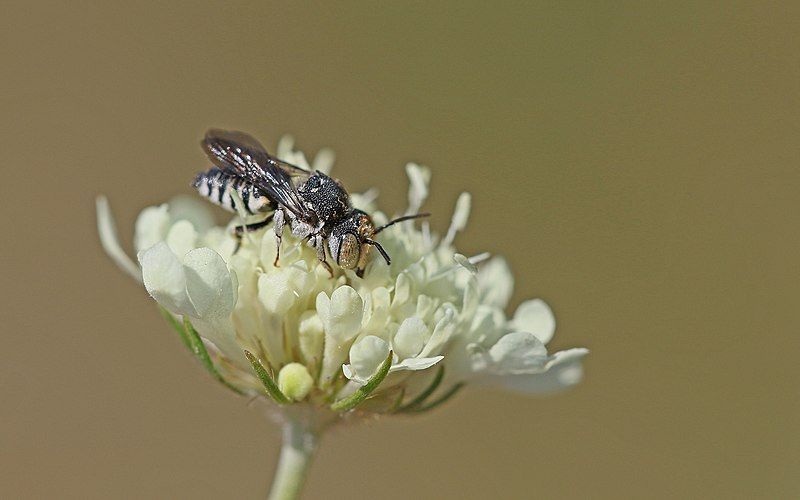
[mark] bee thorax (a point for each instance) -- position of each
(325, 197)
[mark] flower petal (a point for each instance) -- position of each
(419, 176)
(341, 316)
(312, 336)
(441, 332)
(151, 227)
(495, 282)
(366, 355)
(222, 334)
(471, 297)
(182, 237)
(209, 284)
(460, 218)
(274, 292)
(536, 317)
(464, 262)
(488, 325)
(365, 201)
(285, 147)
(165, 280)
(344, 316)
(414, 364)
(518, 352)
(564, 371)
(192, 209)
(110, 240)
(410, 337)
(324, 160)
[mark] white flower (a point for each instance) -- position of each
(406, 335)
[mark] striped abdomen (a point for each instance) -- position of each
(216, 186)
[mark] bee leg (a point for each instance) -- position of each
(239, 231)
(279, 221)
(327, 267)
(321, 254)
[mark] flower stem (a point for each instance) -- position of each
(299, 444)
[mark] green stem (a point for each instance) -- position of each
(299, 443)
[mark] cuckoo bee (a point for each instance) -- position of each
(315, 206)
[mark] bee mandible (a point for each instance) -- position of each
(316, 207)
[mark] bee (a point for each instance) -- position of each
(316, 207)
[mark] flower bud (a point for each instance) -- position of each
(294, 381)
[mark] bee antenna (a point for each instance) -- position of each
(380, 249)
(401, 219)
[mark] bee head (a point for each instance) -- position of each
(351, 239)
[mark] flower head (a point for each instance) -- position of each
(404, 337)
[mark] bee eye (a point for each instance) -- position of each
(349, 251)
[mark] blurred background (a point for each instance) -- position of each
(637, 164)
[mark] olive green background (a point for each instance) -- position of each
(636, 162)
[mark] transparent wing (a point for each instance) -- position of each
(242, 156)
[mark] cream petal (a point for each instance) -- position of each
(209, 284)
(219, 240)
(488, 325)
(151, 227)
(285, 147)
(471, 297)
(182, 237)
(323, 305)
(365, 201)
(464, 262)
(536, 317)
(192, 209)
(366, 355)
(341, 316)
(414, 364)
(345, 313)
(517, 352)
(311, 333)
(221, 333)
(419, 177)
(110, 240)
(495, 282)
(564, 371)
(402, 291)
(323, 161)
(299, 158)
(165, 280)
(410, 337)
(268, 248)
(300, 279)
(379, 314)
(274, 292)
(441, 332)
(426, 308)
(460, 218)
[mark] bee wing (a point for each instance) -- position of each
(241, 155)
(219, 144)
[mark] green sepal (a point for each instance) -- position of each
(417, 401)
(177, 325)
(269, 384)
(365, 390)
(444, 397)
(195, 344)
(399, 401)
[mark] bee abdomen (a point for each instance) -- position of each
(216, 186)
